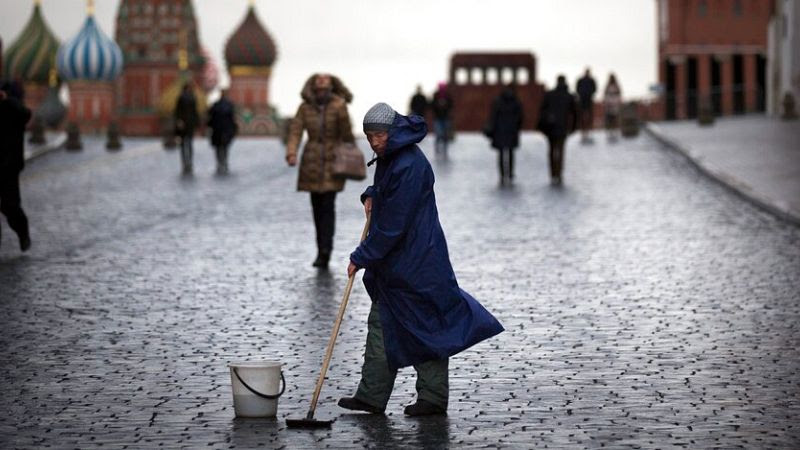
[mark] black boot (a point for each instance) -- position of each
(424, 408)
(24, 243)
(322, 259)
(355, 404)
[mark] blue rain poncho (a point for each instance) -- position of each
(424, 314)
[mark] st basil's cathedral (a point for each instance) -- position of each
(134, 79)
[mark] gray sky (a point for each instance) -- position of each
(383, 48)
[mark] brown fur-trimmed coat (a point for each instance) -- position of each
(327, 126)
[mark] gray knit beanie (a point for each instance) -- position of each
(379, 118)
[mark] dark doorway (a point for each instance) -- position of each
(691, 87)
(761, 83)
(669, 90)
(738, 84)
(716, 86)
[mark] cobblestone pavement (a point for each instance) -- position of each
(645, 306)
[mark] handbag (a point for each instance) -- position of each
(348, 162)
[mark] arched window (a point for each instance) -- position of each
(702, 8)
(462, 76)
(737, 7)
(507, 75)
(492, 75)
(476, 75)
(523, 77)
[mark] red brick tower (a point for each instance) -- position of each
(250, 54)
(149, 34)
(712, 53)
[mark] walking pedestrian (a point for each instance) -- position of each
(323, 114)
(586, 89)
(503, 126)
(557, 118)
(13, 118)
(612, 106)
(222, 120)
(419, 315)
(186, 120)
(419, 103)
(442, 106)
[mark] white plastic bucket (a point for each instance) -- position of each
(256, 388)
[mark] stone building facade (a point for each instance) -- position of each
(712, 54)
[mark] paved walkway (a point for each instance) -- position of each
(756, 156)
(645, 306)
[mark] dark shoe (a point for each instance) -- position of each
(322, 260)
(24, 243)
(423, 408)
(355, 404)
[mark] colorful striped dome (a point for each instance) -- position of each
(30, 57)
(91, 55)
(251, 44)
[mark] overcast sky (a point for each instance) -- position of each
(383, 48)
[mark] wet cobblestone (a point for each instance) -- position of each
(645, 306)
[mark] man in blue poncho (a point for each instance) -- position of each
(419, 315)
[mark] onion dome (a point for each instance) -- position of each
(91, 55)
(250, 44)
(210, 74)
(52, 111)
(30, 57)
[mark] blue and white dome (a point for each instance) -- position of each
(90, 55)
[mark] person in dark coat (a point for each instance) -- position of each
(419, 103)
(13, 118)
(186, 120)
(442, 107)
(503, 126)
(222, 121)
(557, 118)
(586, 88)
(419, 316)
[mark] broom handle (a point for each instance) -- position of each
(334, 334)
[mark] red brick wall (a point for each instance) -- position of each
(249, 91)
(91, 105)
(720, 25)
(472, 98)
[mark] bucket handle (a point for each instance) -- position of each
(268, 397)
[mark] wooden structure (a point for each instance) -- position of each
(477, 78)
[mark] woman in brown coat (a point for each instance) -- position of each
(323, 114)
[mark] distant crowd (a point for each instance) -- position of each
(560, 113)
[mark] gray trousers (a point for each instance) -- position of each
(186, 151)
(377, 380)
